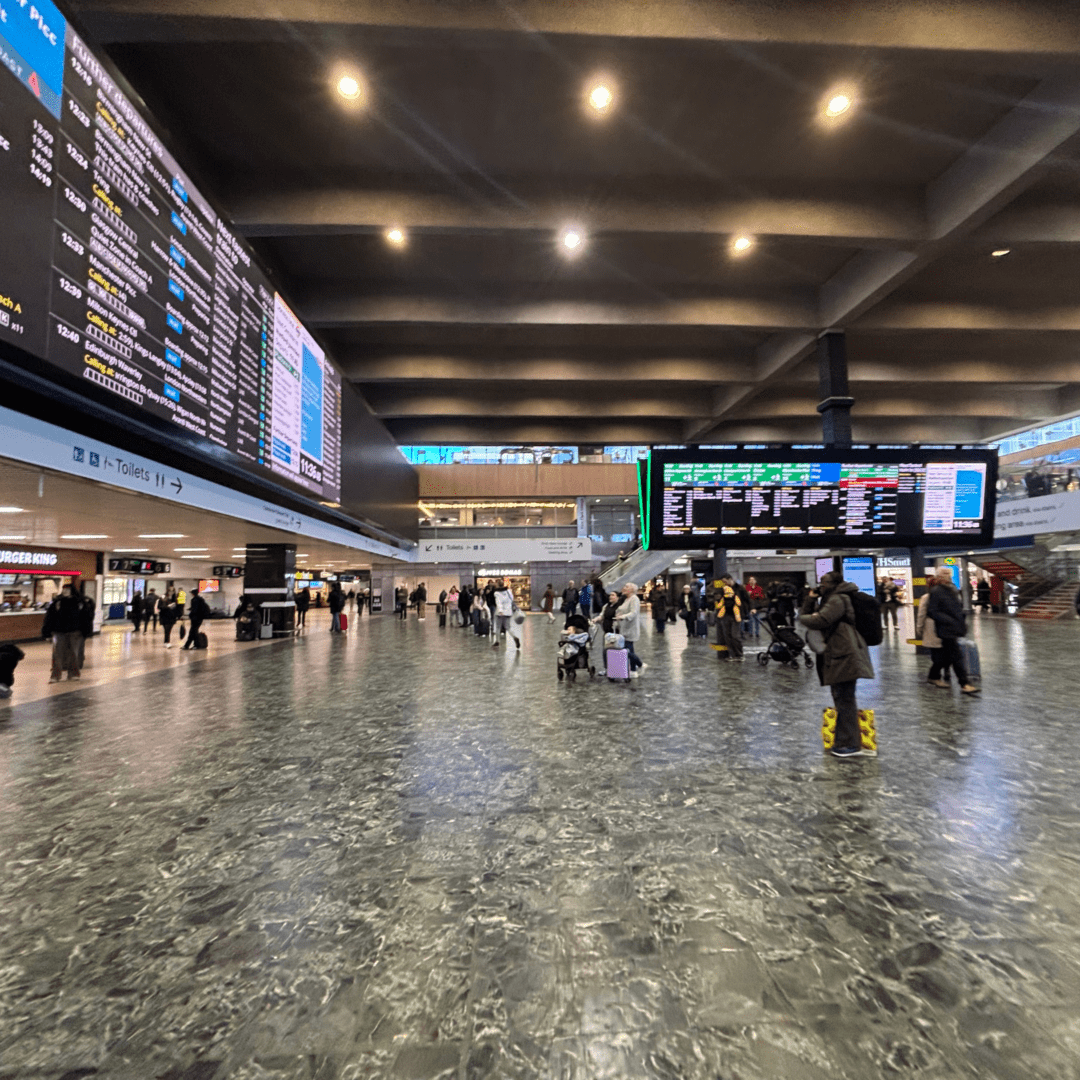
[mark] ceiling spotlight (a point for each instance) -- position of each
(742, 244)
(838, 105)
(349, 87)
(395, 236)
(84, 536)
(600, 97)
(1000, 252)
(572, 240)
(12, 510)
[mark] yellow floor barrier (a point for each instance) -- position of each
(867, 728)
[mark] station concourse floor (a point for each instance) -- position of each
(401, 853)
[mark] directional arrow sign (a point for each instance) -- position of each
(179, 487)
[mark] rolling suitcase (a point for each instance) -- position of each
(344, 620)
(201, 641)
(483, 626)
(617, 662)
(969, 650)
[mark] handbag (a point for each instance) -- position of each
(519, 615)
(815, 640)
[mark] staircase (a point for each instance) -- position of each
(1055, 604)
(1046, 580)
(639, 566)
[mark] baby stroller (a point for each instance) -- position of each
(786, 646)
(573, 653)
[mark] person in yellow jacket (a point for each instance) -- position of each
(181, 600)
(729, 617)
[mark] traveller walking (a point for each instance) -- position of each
(599, 595)
(505, 611)
(755, 595)
(658, 602)
(63, 618)
(181, 600)
(927, 632)
(729, 611)
(888, 596)
(465, 601)
(401, 602)
(421, 602)
(453, 606)
(200, 610)
(569, 599)
(548, 603)
(337, 606)
(167, 614)
(628, 623)
(86, 625)
(947, 610)
(585, 599)
(688, 610)
(489, 599)
(150, 607)
(136, 610)
(352, 599)
(303, 602)
(846, 658)
(982, 591)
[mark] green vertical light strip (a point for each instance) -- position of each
(644, 500)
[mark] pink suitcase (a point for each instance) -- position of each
(617, 662)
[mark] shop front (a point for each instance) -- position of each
(517, 577)
(29, 579)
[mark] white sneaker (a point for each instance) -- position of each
(643, 666)
(635, 674)
(168, 645)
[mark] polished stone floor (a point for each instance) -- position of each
(401, 853)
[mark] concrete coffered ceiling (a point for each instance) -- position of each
(473, 138)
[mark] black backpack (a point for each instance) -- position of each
(867, 617)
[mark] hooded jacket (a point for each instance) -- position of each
(846, 656)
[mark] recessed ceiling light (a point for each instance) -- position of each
(396, 237)
(349, 87)
(12, 537)
(601, 97)
(742, 244)
(191, 549)
(190, 556)
(838, 105)
(1000, 252)
(12, 510)
(572, 240)
(128, 551)
(162, 536)
(85, 536)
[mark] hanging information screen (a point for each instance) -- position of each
(115, 269)
(819, 498)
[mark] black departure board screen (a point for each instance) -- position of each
(819, 498)
(115, 269)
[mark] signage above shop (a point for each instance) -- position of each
(139, 566)
(228, 571)
(14, 557)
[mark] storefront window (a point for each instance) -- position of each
(114, 591)
(491, 513)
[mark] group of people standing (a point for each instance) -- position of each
(170, 610)
(490, 611)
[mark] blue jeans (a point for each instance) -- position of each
(635, 660)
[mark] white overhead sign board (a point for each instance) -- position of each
(1043, 514)
(22, 438)
(540, 549)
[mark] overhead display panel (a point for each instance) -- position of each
(118, 272)
(818, 498)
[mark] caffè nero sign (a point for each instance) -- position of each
(9, 557)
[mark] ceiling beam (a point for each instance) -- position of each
(899, 402)
(465, 369)
(475, 430)
(607, 405)
(864, 218)
(759, 314)
(1007, 26)
(950, 315)
(977, 185)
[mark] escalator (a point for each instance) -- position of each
(639, 566)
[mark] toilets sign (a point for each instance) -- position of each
(540, 549)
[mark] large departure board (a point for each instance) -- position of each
(819, 498)
(115, 269)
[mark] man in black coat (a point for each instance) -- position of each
(62, 621)
(199, 611)
(947, 610)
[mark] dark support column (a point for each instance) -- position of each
(918, 586)
(268, 581)
(719, 562)
(835, 404)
